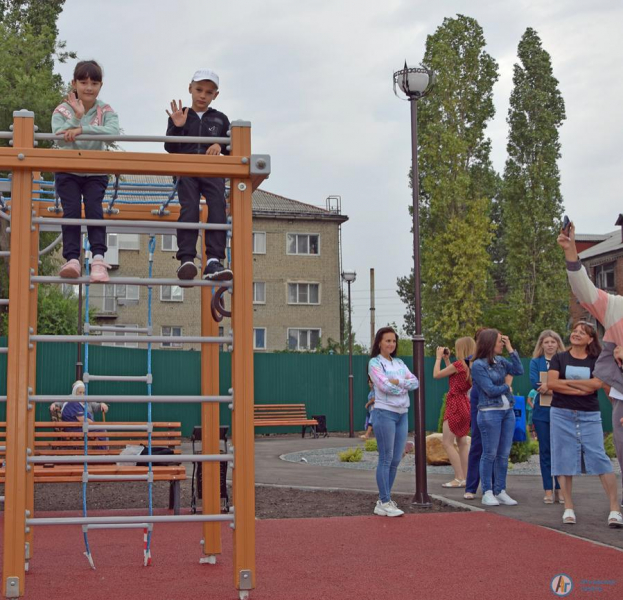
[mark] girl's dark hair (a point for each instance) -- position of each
(88, 69)
(594, 348)
(376, 347)
(485, 345)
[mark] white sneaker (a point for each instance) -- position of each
(488, 499)
(402, 512)
(504, 498)
(615, 519)
(387, 509)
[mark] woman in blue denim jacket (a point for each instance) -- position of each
(496, 417)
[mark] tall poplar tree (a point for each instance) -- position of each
(536, 291)
(457, 183)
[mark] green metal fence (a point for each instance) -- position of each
(320, 381)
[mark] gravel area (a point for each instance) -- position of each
(328, 457)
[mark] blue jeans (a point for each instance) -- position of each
(496, 429)
(545, 454)
(391, 430)
(475, 452)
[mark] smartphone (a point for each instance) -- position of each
(566, 225)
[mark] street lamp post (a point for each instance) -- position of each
(415, 83)
(349, 277)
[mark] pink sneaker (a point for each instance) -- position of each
(99, 271)
(70, 270)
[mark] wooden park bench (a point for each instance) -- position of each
(60, 438)
(283, 415)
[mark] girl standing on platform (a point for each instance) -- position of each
(392, 382)
(456, 419)
(82, 113)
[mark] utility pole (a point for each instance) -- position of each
(372, 310)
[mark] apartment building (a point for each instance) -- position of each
(296, 288)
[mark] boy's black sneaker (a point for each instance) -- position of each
(215, 271)
(187, 270)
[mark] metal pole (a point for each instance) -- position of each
(351, 424)
(372, 310)
(421, 497)
(79, 364)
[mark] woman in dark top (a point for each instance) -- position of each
(576, 433)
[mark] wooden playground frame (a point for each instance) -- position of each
(25, 160)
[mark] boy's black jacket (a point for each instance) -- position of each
(212, 124)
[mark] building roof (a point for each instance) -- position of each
(265, 204)
(612, 243)
(591, 237)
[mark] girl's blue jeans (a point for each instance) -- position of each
(391, 431)
(496, 429)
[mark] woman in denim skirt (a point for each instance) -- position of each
(575, 420)
(496, 417)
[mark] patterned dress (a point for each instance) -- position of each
(457, 401)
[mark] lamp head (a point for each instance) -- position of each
(414, 82)
(349, 275)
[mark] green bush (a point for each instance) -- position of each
(441, 413)
(520, 452)
(534, 446)
(609, 445)
(371, 446)
(351, 455)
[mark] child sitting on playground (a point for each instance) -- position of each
(200, 121)
(82, 113)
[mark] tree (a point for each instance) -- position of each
(457, 184)
(28, 50)
(534, 275)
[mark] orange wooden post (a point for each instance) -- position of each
(20, 297)
(242, 366)
(32, 377)
(211, 503)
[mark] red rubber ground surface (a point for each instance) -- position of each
(455, 556)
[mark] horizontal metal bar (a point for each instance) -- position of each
(134, 281)
(4, 301)
(141, 458)
(173, 139)
(5, 253)
(87, 328)
(117, 477)
(2, 398)
(1, 498)
(4, 216)
(142, 525)
(4, 350)
(155, 225)
(120, 378)
(110, 427)
(6, 135)
(2, 448)
(124, 520)
(133, 339)
(120, 399)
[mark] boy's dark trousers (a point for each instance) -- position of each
(72, 189)
(189, 189)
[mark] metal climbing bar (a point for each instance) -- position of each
(141, 458)
(87, 377)
(138, 138)
(134, 281)
(156, 226)
(138, 399)
(132, 339)
(125, 520)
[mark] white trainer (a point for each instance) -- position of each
(488, 499)
(387, 509)
(504, 498)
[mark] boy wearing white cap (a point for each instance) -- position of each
(200, 121)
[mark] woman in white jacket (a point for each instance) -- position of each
(392, 382)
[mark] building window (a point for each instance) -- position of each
(259, 242)
(303, 339)
(127, 294)
(604, 277)
(171, 293)
(122, 334)
(109, 300)
(169, 242)
(259, 338)
(124, 241)
(303, 293)
(171, 331)
(303, 243)
(259, 292)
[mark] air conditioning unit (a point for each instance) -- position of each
(112, 254)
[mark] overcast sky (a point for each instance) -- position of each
(315, 80)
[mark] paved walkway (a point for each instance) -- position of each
(591, 505)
